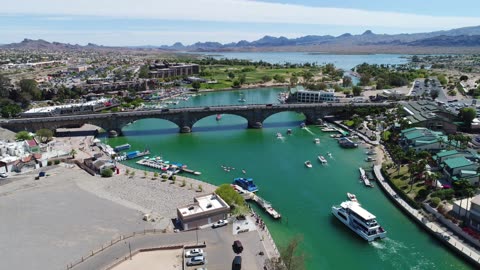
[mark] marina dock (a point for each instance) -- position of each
(250, 196)
(364, 178)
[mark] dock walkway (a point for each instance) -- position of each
(435, 228)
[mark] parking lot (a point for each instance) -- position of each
(425, 89)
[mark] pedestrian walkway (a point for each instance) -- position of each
(433, 227)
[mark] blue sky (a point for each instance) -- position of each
(150, 22)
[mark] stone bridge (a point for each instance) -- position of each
(185, 118)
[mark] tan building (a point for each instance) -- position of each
(205, 210)
(166, 70)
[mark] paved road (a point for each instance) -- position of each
(219, 251)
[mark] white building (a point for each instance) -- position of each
(299, 94)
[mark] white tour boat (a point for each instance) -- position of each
(316, 140)
(359, 220)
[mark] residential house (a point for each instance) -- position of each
(461, 168)
(473, 220)
(423, 139)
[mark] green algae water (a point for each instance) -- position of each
(303, 196)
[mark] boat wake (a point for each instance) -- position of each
(308, 130)
(399, 255)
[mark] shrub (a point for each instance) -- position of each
(57, 162)
(434, 202)
(444, 194)
(49, 163)
(422, 194)
(173, 178)
(184, 183)
(164, 176)
(200, 188)
(107, 173)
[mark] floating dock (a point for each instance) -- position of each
(364, 178)
(247, 195)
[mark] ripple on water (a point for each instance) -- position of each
(400, 255)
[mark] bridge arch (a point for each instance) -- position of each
(225, 121)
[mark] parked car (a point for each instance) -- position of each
(237, 246)
(220, 223)
(193, 252)
(3, 175)
(206, 108)
(165, 110)
(198, 260)
(237, 263)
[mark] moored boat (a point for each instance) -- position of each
(364, 177)
(245, 183)
(279, 135)
(359, 220)
(219, 116)
(308, 164)
(289, 131)
(316, 140)
(121, 147)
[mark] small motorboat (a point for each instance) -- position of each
(370, 159)
(279, 135)
(329, 155)
(308, 164)
(352, 197)
(302, 125)
(241, 100)
(322, 159)
(316, 140)
(219, 116)
(289, 131)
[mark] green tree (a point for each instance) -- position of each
(29, 89)
(229, 195)
(291, 257)
(231, 75)
(347, 81)
(44, 134)
(73, 152)
(143, 72)
(293, 80)
(365, 79)
(467, 115)
(4, 86)
(463, 78)
(242, 79)
(266, 78)
(357, 90)
(236, 84)
(107, 173)
(196, 85)
(23, 135)
(8, 109)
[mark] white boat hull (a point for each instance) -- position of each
(369, 238)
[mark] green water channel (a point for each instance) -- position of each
(303, 196)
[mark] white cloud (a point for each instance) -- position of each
(233, 11)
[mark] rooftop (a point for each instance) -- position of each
(203, 204)
(457, 162)
(355, 207)
(446, 153)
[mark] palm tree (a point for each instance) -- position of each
(73, 152)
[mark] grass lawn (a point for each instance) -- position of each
(252, 74)
(401, 180)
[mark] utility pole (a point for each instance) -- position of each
(196, 233)
(130, 249)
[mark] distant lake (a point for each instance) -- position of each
(343, 61)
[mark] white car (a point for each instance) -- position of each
(198, 260)
(3, 175)
(193, 252)
(220, 223)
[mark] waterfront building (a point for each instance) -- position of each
(300, 95)
(473, 214)
(423, 139)
(100, 80)
(76, 108)
(429, 115)
(79, 68)
(206, 209)
(460, 168)
(167, 70)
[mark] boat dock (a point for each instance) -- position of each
(191, 171)
(266, 206)
(364, 178)
(247, 195)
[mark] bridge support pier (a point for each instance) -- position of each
(185, 129)
(256, 125)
